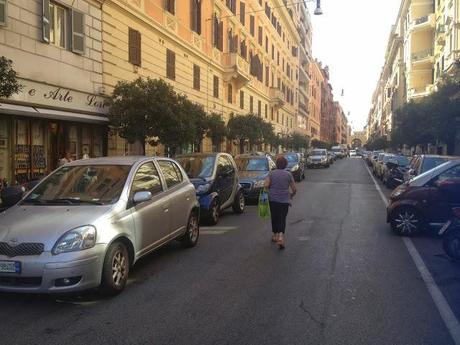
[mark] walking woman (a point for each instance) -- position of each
(279, 182)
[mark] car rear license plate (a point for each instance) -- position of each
(10, 267)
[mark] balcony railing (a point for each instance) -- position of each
(237, 68)
(421, 20)
(423, 54)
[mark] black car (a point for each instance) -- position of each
(215, 177)
(422, 163)
(296, 165)
(394, 170)
(253, 170)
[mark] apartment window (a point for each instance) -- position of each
(196, 16)
(243, 48)
(58, 21)
(196, 77)
(259, 108)
(251, 26)
(231, 4)
(2, 12)
(267, 76)
(261, 36)
(243, 13)
(134, 47)
(218, 33)
(170, 6)
(251, 104)
(273, 52)
(266, 44)
(170, 64)
(230, 93)
(266, 111)
(272, 115)
(241, 100)
(216, 87)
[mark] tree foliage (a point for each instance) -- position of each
(433, 119)
(377, 143)
(216, 128)
(249, 128)
(297, 142)
(321, 144)
(9, 84)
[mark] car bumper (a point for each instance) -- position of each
(317, 164)
(252, 194)
(45, 273)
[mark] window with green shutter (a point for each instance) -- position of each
(170, 64)
(134, 47)
(3, 12)
(78, 32)
(46, 21)
(196, 77)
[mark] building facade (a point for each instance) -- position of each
(327, 108)
(424, 45)
(230, 56)
(314, 118)
(56, 48)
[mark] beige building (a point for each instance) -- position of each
(230, 56)
(423, 45)
(56, 49)
(314, 118)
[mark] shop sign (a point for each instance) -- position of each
(56, 96)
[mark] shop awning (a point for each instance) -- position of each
(22, 110)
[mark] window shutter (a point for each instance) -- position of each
(170, 64)
(251, 25)
(2, 12)
(196, 77)
(170, 6)
(46, 21)
(192, 15)
(216, 86)
(220, 41)
(198, 17)
(134, 48)
(242, 13)
(78, 32)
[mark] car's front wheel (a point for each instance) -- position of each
(239, 203)
(190, 238)
(213, 213)
(451, 244)
(406, 221)
(115, 270)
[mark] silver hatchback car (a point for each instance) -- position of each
(88, 222)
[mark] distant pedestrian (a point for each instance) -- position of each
(279, 182)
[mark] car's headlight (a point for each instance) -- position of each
(398, 191)
(259, 184)
(203, 188)
(77, 239)
(295, 167)
(323, 159)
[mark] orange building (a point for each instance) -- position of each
(314, 118)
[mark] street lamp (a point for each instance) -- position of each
(318, 10)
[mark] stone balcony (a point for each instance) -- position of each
(236, 68)
(276, 97)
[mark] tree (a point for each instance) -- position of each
(216, 128)
(321, 144)
(9, 84)
(249, 128)
(298, 142)
(142, 109)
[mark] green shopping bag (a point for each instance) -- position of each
(264, 206)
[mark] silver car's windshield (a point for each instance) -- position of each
(318, 153)
(84, 184)
(198, 167)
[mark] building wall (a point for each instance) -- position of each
(161, 30)
(60, 109)
(327, 108)
(314, 119)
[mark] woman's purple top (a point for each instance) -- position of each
(279, 186)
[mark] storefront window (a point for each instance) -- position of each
(5, 167)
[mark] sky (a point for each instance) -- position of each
(351, 38)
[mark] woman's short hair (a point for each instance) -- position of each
(281, 163)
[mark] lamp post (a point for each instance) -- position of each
(318, 10)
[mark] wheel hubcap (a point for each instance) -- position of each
(241, 201)
(406, 222)
(118, 268)
(215, 212)
(193, 229)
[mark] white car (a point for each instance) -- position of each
(352, 153)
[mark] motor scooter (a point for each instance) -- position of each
(450, 233)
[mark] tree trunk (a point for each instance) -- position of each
(242, 146)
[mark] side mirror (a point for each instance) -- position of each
(140, 197)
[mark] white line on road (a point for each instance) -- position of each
(440, 301)
(218, 228)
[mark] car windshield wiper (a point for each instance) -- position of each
(73, 201)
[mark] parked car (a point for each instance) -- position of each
(376, 163)
(318, 158)
(215, 177)
(381, 166)
(422, 163)
(353, 153)
(331, 157)
(295, 165)
(88, 222)
(426, 200)
(393, 171)
(338, 151)
(252, 171)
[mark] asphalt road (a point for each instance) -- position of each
(343, 278)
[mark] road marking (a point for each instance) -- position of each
(439, 300)
(211, 232)
(216, 230)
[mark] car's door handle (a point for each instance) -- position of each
(165, 208)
